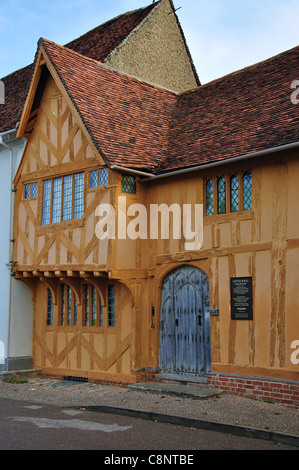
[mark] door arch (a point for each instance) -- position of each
(185, 346)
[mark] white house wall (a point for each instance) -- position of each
(15, 297)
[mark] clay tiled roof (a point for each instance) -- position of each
(128, 119)
(138, 125)
(97, 44)
(15, 89)
(241, 113)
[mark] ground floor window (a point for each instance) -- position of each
(111, 305)
(69, 306)
(93, 310)
(50, 307)
(84, 306)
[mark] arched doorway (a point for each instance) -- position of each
(185, 346)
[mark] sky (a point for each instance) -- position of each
(223, 35)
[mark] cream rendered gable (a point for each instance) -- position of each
(156, 51)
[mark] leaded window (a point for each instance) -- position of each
(234, 193)
(31, 190)
(34, 190)
(46, 202)
(78, 195)
(128, 184)
(247, 191)
(111, 305)
(93, 179)
(63, 199)
(56, 200)
(68, 306)
(27, 191)
(103, 176)
(67, 198)
(50, 308)
(93, 310)
(221, 196)
(209, 198)
(98, 178)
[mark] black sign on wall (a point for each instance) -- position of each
(241, 298)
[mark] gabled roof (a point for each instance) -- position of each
(244, 112)
(126, 118)
(97, 44)
(138, 125)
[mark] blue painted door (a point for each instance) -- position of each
(185, 322)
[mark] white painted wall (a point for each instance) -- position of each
(16, 310)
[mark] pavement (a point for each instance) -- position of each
(195, 406)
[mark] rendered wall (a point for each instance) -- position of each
(156, 52)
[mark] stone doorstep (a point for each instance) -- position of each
(19, 375)
(186, 391)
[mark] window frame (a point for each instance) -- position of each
(99, 172)
(50, 308)
(92, 317)
(133, 182)
(111, 315)
(30, 185)
(68, 306)
(240, 174)
(47, 200)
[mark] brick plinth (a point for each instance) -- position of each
(273, 390)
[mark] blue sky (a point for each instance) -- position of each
(223, 35)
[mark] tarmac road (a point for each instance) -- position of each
(27, 425)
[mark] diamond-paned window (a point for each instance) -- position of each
(103, 176)
(111, 305)
(247, 191)
(128, 184)
(68, 306)
(50, 307)
(34, 189)
(27, 191)
(93, 179)
(31, 190)
(221, 196)
(93, 311)
(209, 198)
(234, 193)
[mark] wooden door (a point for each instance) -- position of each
(185, 322)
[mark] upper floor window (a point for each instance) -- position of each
(221, 196)
(247, 191)
(128, 184)
(63, 199)
(31, 190)
(98, 178)
(234, 193)
(209, 198)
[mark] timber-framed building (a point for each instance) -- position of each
(120, 308)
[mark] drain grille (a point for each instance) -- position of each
(75, 379)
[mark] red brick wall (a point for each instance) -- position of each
(276, 391)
